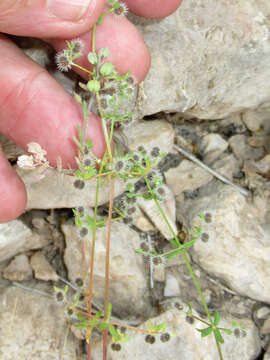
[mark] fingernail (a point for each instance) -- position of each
(71, 10)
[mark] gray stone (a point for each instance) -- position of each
(235, 245)
(227, 165)
(212, 146)
(257, 120)
(128, 281)
(171, 286)
(51, 189)
(19, 269)
(42, 268)
(33, 327)
(242, 150)
(16, 237)
(209, 58)
(186, 177)
(187, 344)
(266, 327)
(150, 134)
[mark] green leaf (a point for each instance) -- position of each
(173, 253)
(103, 53)
(81, 317)
(89, 143)
(159, 328)
(106, 69)
(66, 289)
(93, 86)
(98, 314)
(56, 289)
(103, 326)
(109, 312)
(188, 244)
(92, 58)
(205, 332)
(139, 251)
(216, 318)
(81, 134)
(228, 331)
(114, 333)
(218, 336)
(189, 312)
(234, 323)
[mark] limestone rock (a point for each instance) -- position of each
(19, 269)
(150, 134)
(187, 177)
(234, 244)
(31, 326)
(242, 150)
(50, 189)
(212, 146)
(187, 344)
(42, 269)
(209, 58)
(128, 282)
(16, 237)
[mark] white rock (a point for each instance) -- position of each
(186, 177)
(242, 150)
(33, 327)
(212, 146)
(235, 246)
(128, 280)
(187, 344)
(168, 206)
(19, 269)
(171, 286)
(52, 190)
(209, 58)
(150, 134)
(42, 268)
(15, 237)
(257, 120)
(227, 165)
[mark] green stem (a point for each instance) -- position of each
(104, 126)
(94, 38)
(184, 254)
(81, 68)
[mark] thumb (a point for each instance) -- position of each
(49, 18)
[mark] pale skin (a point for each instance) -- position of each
(33, 106)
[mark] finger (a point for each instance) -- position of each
(12, 192)
(35, 108)
(49, 18)
(154, 8)
(128, 51)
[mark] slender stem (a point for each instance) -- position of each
(94, 38)
(184, 254)
(104, 126)
(107, 265)
(94, 231)
(81, 68)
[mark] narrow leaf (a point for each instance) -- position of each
(205, 332)
(216, 318)
(218, 336)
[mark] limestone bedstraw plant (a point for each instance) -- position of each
(108, 92)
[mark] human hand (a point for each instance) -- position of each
(33, 106)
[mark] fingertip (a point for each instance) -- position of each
(156, 9)
(13, 196)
